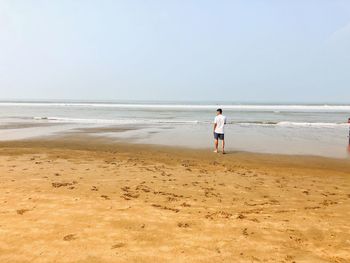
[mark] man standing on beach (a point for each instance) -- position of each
(219, 123)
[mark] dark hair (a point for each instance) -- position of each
(219, 110)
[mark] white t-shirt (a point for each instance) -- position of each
(220, 121)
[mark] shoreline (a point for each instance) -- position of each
(300, 139)
(85, 142)
(85, 199)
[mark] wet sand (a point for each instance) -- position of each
(90, 200)
(12, 126)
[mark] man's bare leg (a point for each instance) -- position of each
(223, 146)
(216, 142)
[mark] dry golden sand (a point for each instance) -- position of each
(73, 201)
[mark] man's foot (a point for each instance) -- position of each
(223, 152)
(215, 151)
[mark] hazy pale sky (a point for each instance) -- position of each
(249, 50)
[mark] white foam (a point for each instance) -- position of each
(313, 124)
(166, 121)
(114, 121)
(243, 107)
(296, 124)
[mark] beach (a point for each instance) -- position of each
(174, 131)
(91, 199)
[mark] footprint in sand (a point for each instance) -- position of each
(166, 208)
(94, 188)
(118, 245)
(58, 185)
(69, 237)
(22, 211)
(311, 207)
(241, 216)
(183, 225)
(106, 197)
(328, 202)
(218, 215)
(171, 199)
(245, 232)
(143, 188)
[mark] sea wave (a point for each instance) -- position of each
(114, 121)
(312, 124)
(167, 121)
(240, 107)
(295, 124)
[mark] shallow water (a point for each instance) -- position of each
(286, 129)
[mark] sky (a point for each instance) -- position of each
(295, 51)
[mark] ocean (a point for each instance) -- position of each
(313, 129)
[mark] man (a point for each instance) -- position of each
(219, 123)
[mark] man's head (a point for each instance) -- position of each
(218, 111)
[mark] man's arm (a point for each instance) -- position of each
(214, 126)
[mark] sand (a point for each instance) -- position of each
(84, 200)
